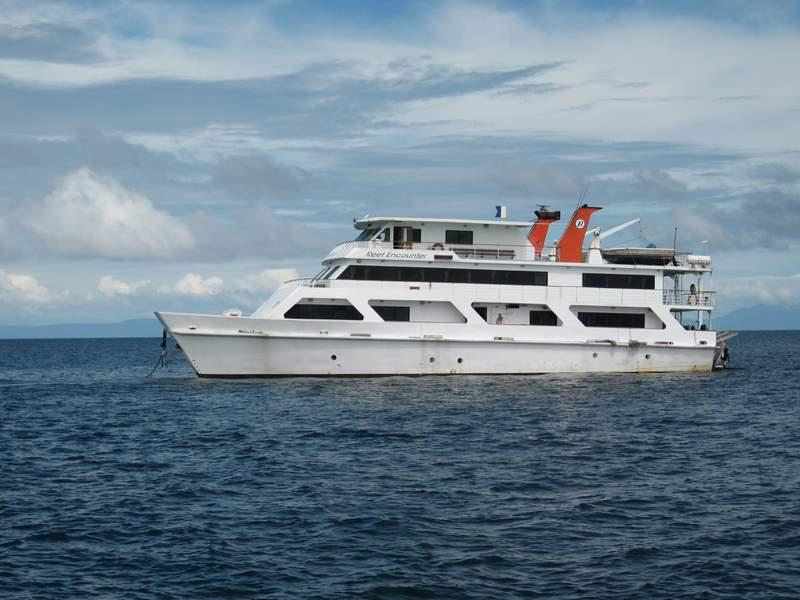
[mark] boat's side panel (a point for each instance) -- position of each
(243, 355)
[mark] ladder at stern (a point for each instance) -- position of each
(721, 354)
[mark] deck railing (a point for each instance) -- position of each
(688, 298)
(306, 282)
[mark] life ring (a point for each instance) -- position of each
(438, 246)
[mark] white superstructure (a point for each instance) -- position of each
(415, 296)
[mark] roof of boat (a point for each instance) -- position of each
(367, 221)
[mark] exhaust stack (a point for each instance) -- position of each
(538, 233)
(570, 246)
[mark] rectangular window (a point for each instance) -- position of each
(622, 320)
(619, 281)
(455, 236)
(543, 317)
(393, 313)
(443, 275)
(334, 312)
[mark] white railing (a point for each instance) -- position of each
(688, 298)
(306, 282)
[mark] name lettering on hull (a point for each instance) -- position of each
(394, 254)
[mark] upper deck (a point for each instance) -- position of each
(488, 241)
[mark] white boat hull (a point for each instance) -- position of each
(217, 350)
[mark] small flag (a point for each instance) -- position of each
(502, 212)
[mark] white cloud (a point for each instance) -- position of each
(774, 289)
(91, 215)
(24, 288)
(110, 287)
(267, 280)
(197, 285)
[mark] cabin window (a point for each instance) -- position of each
(543, 317)
(619, 280)
(335, 312)
(366, 234)
(393, 313)
(443, 275)
(482, 311)
(457, 236)
(331, 273)
(623, 320)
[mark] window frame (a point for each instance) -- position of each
(325, 312)
(457, 237)
(607, 320)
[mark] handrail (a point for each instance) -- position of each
(689, 297)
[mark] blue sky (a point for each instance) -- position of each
(190, 156)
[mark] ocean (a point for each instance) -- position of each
(115, 485)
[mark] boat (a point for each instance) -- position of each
(432, 296)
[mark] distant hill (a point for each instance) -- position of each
(761, 317)
(131, 328)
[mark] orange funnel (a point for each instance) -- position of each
(538, 233)
(570, 246)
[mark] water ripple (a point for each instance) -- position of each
(584, 486)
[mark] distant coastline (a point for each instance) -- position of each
(132, 328)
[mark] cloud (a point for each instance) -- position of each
(46, 41)
(766, 218)
(267, 280)
(765, 290)
(24, 288)
(256, 175)
(197, 285)
(89, 215)
(256, 232)
(110, 287)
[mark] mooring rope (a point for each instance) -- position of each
(162, 360)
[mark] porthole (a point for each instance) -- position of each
(431, 359)
(333, 357)
(460, 360)
(594, 355)
(647, 356)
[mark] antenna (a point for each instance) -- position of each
(582, 195)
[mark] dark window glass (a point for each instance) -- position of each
(338, 312)
(455, 236)
(543, 317)
(619, 280)
(481, 276)
(393, 313)
(458, 275)
(416, 235)
(481, 310)
(441, 275)
(435, 275)
(623, 320)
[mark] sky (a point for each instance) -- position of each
(191, 156)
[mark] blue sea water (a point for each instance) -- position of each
(113, 485)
